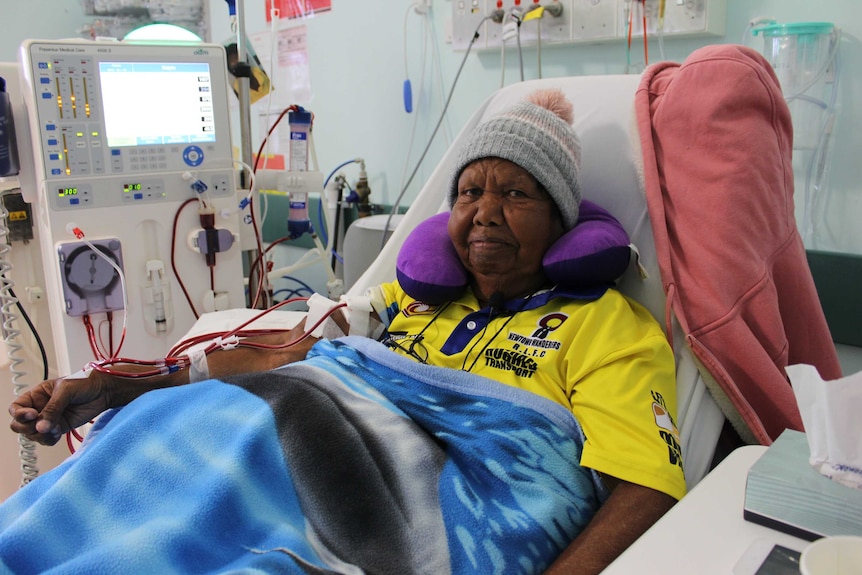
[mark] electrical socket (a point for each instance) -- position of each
(220, 185)
(468, 19)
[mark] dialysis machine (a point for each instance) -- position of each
(123, 136)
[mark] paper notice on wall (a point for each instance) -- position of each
(291, 9)
(290, 73)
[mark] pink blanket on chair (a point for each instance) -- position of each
(716, 137)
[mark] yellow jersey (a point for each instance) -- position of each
(598, 353)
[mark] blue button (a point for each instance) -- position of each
(56, 171)
(44, 80)
(47, 95)
(52, 142)
(115, 152)
(139, 196)
(43, 65)
(50, 127)
(193, 156)
(53, 156)
(74, 201)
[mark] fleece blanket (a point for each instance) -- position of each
(355, 460)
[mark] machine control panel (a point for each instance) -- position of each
(109, 117)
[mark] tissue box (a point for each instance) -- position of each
(784, 492)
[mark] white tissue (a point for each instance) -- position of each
(831, 415)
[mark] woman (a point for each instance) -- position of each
(602, 357)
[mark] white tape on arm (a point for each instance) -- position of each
(318, 307)
(359, 308)
(378, 304)
(199, 368)
(80, 374)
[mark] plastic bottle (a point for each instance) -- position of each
(8, 149)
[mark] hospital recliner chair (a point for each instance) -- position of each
(614, 176)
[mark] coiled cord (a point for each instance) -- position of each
(8, 302)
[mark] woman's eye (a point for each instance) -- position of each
(516, 194)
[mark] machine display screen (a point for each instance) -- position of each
(180, 93)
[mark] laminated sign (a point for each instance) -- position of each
(296, 8)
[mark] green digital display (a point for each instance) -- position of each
(131, 188)
(67, 192)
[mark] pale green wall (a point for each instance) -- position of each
(48, 19)
(357, 70)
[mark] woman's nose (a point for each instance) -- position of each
(489, 209)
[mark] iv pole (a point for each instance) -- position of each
(242, 72)
(244, 89)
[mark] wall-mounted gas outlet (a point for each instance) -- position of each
(550, 23)
(584, 21)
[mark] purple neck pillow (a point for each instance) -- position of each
(594, 253)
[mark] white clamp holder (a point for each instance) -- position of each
(226, 343)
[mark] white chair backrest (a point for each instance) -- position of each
(610, 177)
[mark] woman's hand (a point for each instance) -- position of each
(48, 410)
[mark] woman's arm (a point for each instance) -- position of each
(626, 515)
(50, 409)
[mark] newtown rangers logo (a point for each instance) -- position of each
(539, 338)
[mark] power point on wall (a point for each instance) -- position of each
(422, 6)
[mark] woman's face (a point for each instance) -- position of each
(501, 224)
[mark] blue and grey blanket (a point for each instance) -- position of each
(355, 460)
